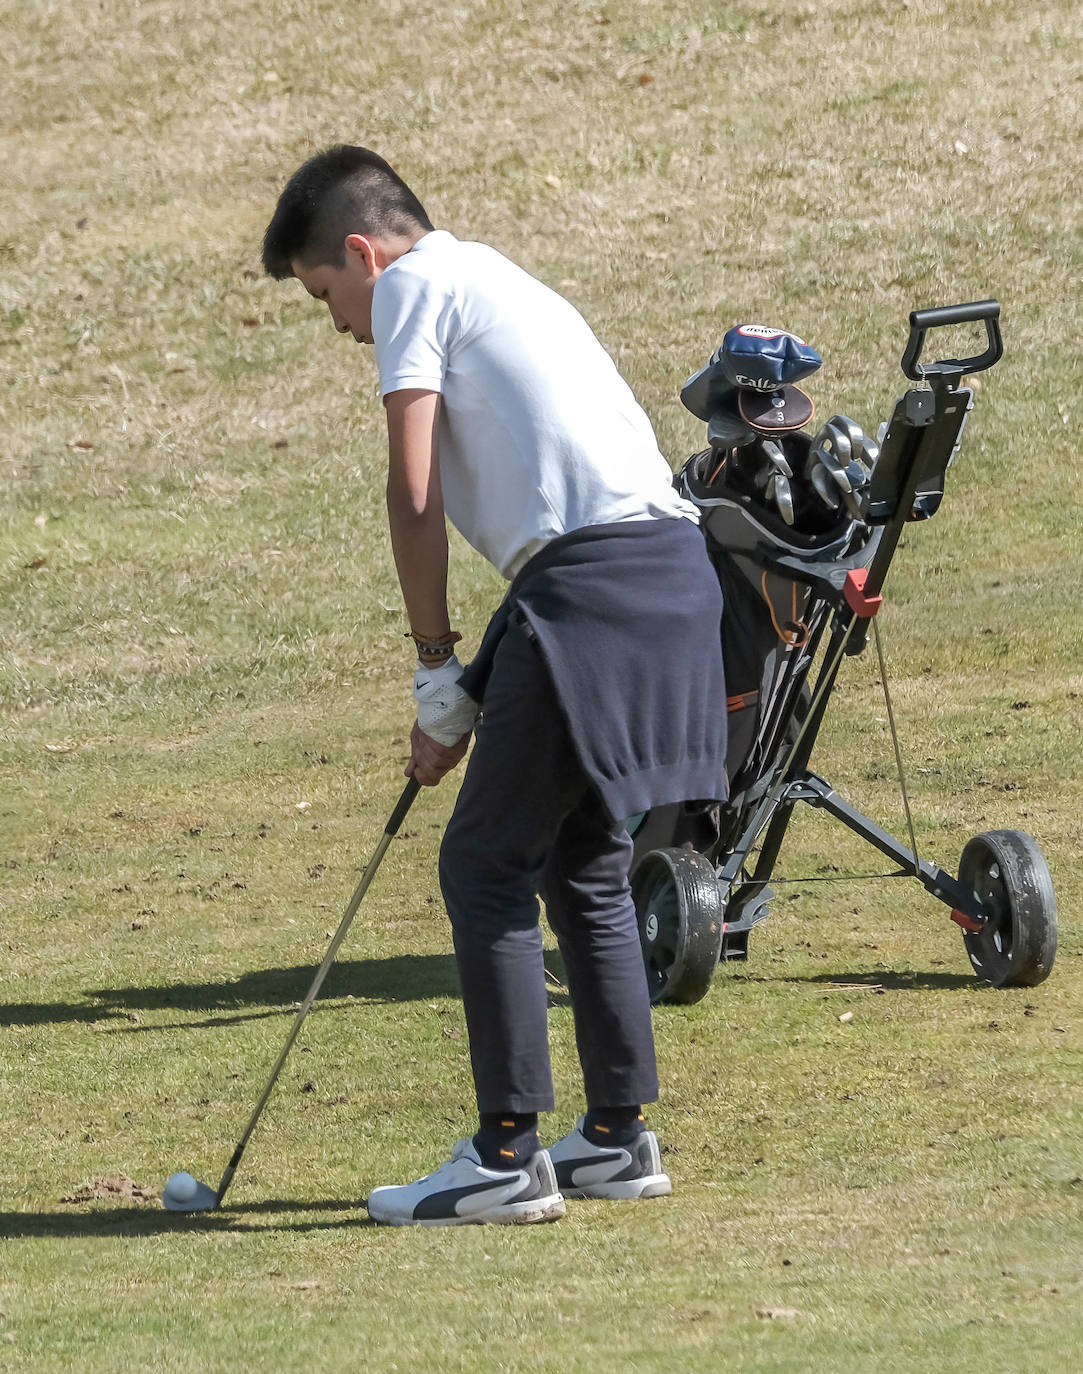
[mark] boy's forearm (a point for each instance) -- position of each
(415, 509)
(419, 543)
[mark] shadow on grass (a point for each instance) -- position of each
(907, 980)
(402, 978)
(277, 991)
(125, 1222)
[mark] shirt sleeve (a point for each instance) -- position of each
(412, 322)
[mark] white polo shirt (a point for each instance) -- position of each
(539, 433)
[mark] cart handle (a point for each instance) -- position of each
(921, 320)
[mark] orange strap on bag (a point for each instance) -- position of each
(795, 631)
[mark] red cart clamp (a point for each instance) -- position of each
(968, 923)
(864, 607)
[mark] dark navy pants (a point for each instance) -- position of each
(529, 822)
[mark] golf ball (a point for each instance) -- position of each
(181, 1187)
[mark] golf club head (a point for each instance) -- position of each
(824, 488)
(851, 429)
(778, 490)
(871, 452)
(860, 476)
(776, 457)
(203, 1199)
(850, 442)
(835, 468)
(840, 464)
(840, 445)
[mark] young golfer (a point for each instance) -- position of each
(599, 680)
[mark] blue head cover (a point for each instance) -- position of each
(757, 358)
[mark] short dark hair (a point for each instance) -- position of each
(343, 190)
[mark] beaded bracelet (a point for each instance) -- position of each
(443, 647)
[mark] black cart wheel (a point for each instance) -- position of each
(680, 913)
(1007, 870)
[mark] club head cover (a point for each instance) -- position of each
(756, 357)
(747, 388)
(780, 411)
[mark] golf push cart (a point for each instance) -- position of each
(802, 529)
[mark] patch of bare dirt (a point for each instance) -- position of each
(119, 1189)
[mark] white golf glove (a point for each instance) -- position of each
(444, 711)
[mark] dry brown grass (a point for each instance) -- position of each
(197, 608)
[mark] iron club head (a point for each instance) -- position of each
(824, 488)
(183, 1193)
(852, 502)
(776, 457)
(834, 466)
(853, 431)
(778, 490)
(843, 433)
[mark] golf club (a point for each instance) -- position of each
(183, 1193)
(776, 457)
(835, 465)
(851, 430)
(838, 428)
(824, 487)
(778, 490)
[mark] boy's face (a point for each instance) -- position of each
(346, 290)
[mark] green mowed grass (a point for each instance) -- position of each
(204, 697)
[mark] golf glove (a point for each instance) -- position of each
(444, 711)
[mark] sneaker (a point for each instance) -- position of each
(609, 1171)
(464, 1191)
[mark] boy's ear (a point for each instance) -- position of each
(361, 246)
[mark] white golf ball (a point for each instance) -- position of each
(181, 1187)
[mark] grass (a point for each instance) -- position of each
(204, 704)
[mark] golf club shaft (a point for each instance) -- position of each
(397, 816)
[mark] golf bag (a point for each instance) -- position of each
(765, 628)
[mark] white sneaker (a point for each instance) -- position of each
(464, 1191)
(584, 1169)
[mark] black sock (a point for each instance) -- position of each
(613, 1125)
(507, 1139)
